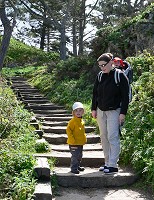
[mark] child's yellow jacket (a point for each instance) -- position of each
(76, 132)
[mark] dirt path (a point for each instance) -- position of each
(100, 194)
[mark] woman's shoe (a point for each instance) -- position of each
(110, 170)
(102, 168)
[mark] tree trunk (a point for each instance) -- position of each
(48, 39)
(7, 33)
(62, 42)
(82, 22)
(43, 33)
(74, 38)
(74, 27)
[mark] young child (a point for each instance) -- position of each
(76, 137)
(118, 63)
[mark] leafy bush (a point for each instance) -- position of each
(142, 63)
(17, 142)
(73, 68)
(42, 146)
(138, 142)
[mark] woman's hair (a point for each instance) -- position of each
(105, 57)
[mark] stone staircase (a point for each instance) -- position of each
(53, 119)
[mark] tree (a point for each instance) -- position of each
(112, 12)
(54, 18)
(63, 17)
(8, 24)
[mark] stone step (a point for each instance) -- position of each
(62, 129)
(42, 173)
(89, 159)
(43, 190)
(86, 147)
(53, 138)
(18, 79)
(20, 86)
(36, 101)
(53, 123)
(30, 90)
(54, 113)
(42, 169)
(92, 178)
(45, 106)
(23, 86)
(34, 97)
(58, 119)
(25, 93)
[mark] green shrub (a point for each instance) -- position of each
(20, 54)
(138, 139)
(17, 142)
(42, 146)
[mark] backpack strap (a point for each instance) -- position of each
(99, 76)
(127, 70)
(117, 76)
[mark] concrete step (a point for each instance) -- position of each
(45, 106)
(53, 138)
(90, 159)
(36, 101)
(18, 79)
(92, 178)
(42, 169)
(30, 90)
(53, 123)
(86, 147)
(43, 190)
(53, 119)
(54, 113)
(25, 93)
(33, 97)
(62, 129)
(20, 86)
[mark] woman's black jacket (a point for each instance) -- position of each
(107, 95)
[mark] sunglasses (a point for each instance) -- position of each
(103, 65)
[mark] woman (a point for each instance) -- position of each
(109, 106)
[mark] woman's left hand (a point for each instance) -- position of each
(121, 119)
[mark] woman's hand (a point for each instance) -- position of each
(94, 114)
(121, 119)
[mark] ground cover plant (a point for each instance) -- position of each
(20, 53)
(17, 145)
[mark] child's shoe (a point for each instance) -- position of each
(75, 171)
(81, 169)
